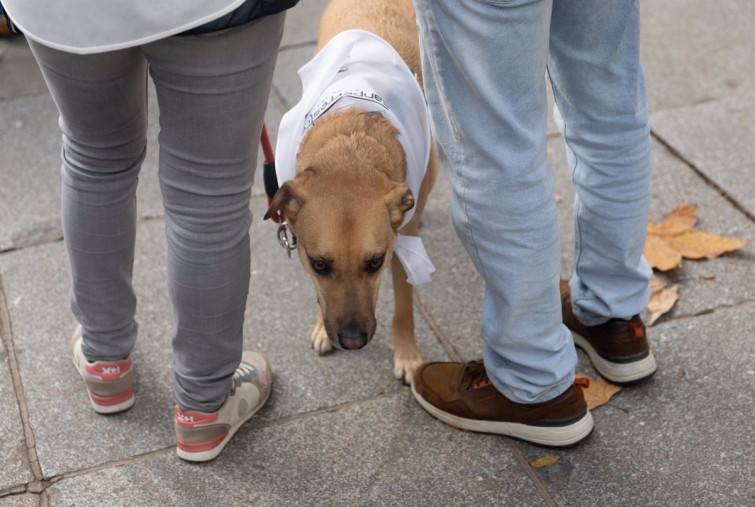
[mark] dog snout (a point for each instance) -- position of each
(352, 338)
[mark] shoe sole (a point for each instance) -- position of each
(209, 455)
(111, 409)
(551, 436)
(619, 373)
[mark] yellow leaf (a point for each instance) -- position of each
(681, 219)
(660, 254)
(544, 462)
(598, 392)
(698, 244)
(662, 301)
(675, 237)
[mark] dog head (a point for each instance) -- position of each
(345, 212)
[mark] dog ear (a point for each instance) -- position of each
(290, 196)
(399, 200)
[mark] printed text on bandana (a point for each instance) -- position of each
(327, 102)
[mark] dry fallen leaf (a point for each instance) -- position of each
(598, 392)
(682, 218)
(544, 462)
(675, 237)
(699, 245)
(660, 254)
(656, 285)
(662, 299)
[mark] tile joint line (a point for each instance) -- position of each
(708, 181)
(6, 337)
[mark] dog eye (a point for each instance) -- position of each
(320, 267)
(374, 265)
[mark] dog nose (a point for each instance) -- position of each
(352, 339)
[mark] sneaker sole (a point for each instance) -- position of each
(210, 454)
(551, 436)
(619, 373)
(113, 408)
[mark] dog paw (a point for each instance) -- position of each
(405, 366)
(320, 341)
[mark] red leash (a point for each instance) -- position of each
(268, 174)
(286, 238)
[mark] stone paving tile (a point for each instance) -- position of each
(68, 434)
(25, 500)
(21, 75)
(302, 22)
(386, 451)
(717, 137)
(30, 167)
(14, 458)
(280, 315)
(673, 183)
(679, 438)
(30, 171)
(286, 81)
(696, 51)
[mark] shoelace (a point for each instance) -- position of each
(475, 376)
(244, 373)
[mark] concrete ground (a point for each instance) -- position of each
(340, 430)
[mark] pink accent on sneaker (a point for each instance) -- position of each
(108, 401)
(201, 446)
(189, 418)
(108, 371)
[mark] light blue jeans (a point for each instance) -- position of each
(484, 63)
(212, 90)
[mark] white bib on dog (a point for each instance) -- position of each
(358, 69)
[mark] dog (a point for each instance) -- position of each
(349, 203)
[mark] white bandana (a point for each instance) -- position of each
(358, 69)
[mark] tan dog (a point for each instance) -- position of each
(349, 196)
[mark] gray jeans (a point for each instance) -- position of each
(212, 92)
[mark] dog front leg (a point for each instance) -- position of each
(406, 358)
(320, 341)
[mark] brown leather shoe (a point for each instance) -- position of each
(460, 394)
(618, 349)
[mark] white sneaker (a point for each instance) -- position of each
(201, 436)
(110, 384)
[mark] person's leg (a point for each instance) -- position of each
(599, 88)
(103, 116)
(484, 66)
(212, 92)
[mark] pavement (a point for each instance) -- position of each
(339, 429)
